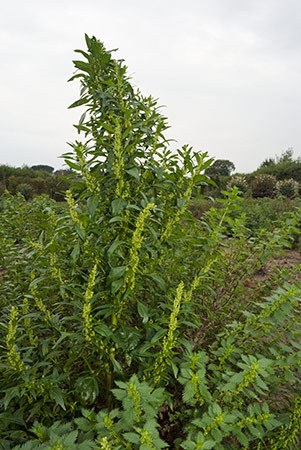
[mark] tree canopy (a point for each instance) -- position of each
(222, 167)
(282, 167)
(43, 167)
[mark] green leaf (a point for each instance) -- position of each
(87, 388)
(216, 409)
(92, 205)
(188, 445)
(64, 335)
(134, 438)
(72, 165)
(71, 438)
(243, 440)
(158, 336)
(261, 384)
(80, 231)
(85, 54)
(103, 330)
(143, 311)
(81, 101)
(81, 65)
(159, 280)
(228, 387)
(9, 395)
(117, 206)
(237, 378)
(181, 202)
(116, 285)
(134, 172)
(116, 273)
(75, 253)
(188, 393)
(209, 444)
(57, 395)
(113, 247)
(204, 392)
(116, 219)
(83, 424)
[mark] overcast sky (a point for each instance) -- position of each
(228, 71)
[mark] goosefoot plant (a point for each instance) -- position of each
(99, 344)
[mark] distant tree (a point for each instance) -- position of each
(64, 172)
(286, 156)
(221, 167)
(268, 162)
(5, 173)
(43, 167)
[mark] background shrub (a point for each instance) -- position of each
(288, 188)
(25, 189)
(239, 181)
(263, 185)
(282, 167)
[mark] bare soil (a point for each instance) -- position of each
(289, 260)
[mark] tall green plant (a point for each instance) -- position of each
(117, 289)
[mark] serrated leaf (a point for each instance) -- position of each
(9, 395)
(237, 378)
(188, 393)
(57, 395)
(243, 440)
(228, 387)
(119, 394)
(209, 444)
(83, 424)
(134, 438)
(71, 438)
(261, 383)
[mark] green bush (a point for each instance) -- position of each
(263, 185)
(240, 182)
(282, 167)
(265, 213)
(124, 319)
(25, 189)
(288, 188)
(199, 205)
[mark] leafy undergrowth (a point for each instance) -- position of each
(126, 322)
